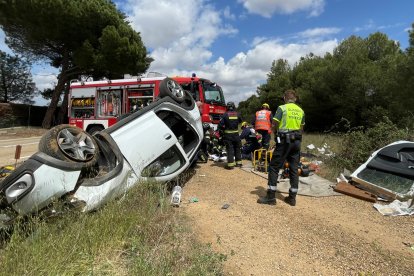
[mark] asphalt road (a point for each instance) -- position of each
(8, 149)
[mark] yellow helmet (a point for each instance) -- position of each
(244, 124)
(265, 105)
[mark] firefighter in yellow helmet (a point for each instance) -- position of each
(263, 124)
(288, 123)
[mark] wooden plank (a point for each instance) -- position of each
(344, 187)
(379, 191)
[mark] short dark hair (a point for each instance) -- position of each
(290, 95)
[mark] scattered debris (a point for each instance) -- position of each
(225, 206)
(311, 146)
(396, 208)
(193, 200)
(348, 189)
(176, 195)
(409, 244)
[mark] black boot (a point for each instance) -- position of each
(269, 198)
(291, 200)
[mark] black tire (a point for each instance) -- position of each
(170, 88)
(70, 143)
(188, 101)
(95, 129)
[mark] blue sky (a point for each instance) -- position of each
(234, 42)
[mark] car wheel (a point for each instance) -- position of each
(70, 143)
(169, 87)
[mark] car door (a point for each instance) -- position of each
(143, 140)
(175, 159)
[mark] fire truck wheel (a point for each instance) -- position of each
(94, 130)
(169, 87)
(70, 143)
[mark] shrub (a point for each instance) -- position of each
(358, 144)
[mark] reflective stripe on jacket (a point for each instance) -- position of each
(230, 122)
(263, 120)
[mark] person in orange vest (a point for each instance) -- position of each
(263, 124)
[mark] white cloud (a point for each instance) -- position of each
(180, 34)
(267, 8)
(227, 14)
(162, 23)
(319, 32)
(241, 75)
(368, 26)
(44, 80)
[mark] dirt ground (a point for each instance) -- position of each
(336, 235)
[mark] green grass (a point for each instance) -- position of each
(140, 234)
(333, 145)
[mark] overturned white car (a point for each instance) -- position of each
(159, 142)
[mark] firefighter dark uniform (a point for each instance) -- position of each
(229, 124)
(252, 143)
(289, 120)
(263, 124)
(206, 144)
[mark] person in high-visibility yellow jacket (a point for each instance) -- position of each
(288, 124)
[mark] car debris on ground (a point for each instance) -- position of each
(387, 175)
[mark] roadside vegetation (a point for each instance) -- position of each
(140, 234)
(349, 149)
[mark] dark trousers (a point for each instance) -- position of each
(233, 148)
(248, 149)
(265, 138)
(286, 151)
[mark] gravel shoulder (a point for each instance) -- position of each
(336, 235)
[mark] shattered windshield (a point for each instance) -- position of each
(213, 93)
(393, 182)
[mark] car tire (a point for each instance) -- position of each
(71, 144)
(95, 129)
(169, 87)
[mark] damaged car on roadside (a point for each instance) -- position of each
(158, 142)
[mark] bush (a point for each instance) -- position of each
(358, 144)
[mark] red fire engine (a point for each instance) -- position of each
(96, 105)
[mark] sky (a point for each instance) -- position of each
(234, 42)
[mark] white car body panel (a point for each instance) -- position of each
(51, 184)
(95, 196)
(142, 149)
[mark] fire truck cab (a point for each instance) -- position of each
(96, 105)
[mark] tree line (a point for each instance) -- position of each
(363, 80)
(81, 38)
